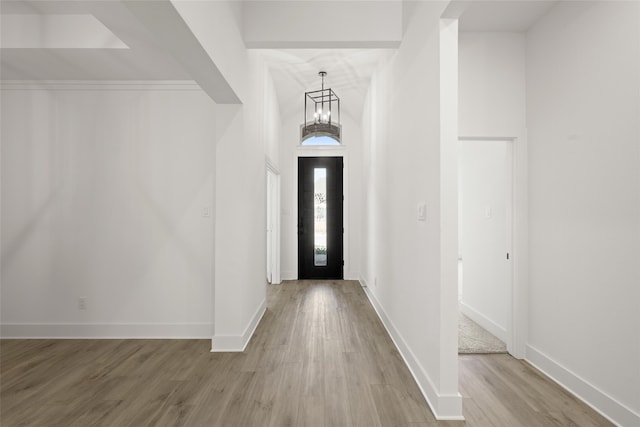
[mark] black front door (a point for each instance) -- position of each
(320, 226)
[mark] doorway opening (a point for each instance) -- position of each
(485, 233)
(320, 218)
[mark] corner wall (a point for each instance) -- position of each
(409, 265)
(247, 136)
(583, 114)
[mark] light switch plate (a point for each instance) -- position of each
(422, 211)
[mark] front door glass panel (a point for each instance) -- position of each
(320, 216)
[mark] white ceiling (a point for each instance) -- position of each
(503, 15)
(349, 72)
(141, 57)
(146, 55)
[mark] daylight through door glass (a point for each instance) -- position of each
(320, 216)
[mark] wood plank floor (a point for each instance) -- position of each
(320, 357)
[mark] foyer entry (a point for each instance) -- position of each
(320, 218)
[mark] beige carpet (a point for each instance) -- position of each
(472, 338)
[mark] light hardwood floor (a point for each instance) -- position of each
(320, 357)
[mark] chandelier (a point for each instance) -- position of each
(321, 113)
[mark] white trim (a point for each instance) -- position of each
(288, 275)
(351, 275)
(483, 321)
(237, 343)
(106, 330)
(271, 165)
(275, 198)
(110, 85)
(323, 151)
(520, 247)
(600, 401)
(443, 406)
(315, 150)
(449, 401)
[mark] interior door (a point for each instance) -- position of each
(320, 219)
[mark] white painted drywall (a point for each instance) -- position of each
(217, 26)
(403, 266)
(310, 24)
(273, 121)
(57, 31)
(583, 68)
(483, 186)
(103, 189)
(492, 85)
(351, 149)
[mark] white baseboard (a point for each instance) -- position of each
(106, 330)
(288, 275)
(484, 321)
(237, 343)
(597, 399)
(444, 407)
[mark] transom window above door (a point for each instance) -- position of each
(320, 140)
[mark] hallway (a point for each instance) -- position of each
(320, 357)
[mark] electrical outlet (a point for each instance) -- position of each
(82, 303)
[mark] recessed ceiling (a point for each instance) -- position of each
(80, 40)
(143, 55)
(295, 71)
(57, 31)
(349, 72)
(503, 15)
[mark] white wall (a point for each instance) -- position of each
(103, 189)
(492, 85)
(218, 27)
(492, 94)
(404, 268)
(583, 68)
(273, 122)
(290, 150)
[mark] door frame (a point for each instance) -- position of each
(320, 151)
(516, 155)
(272, 200)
